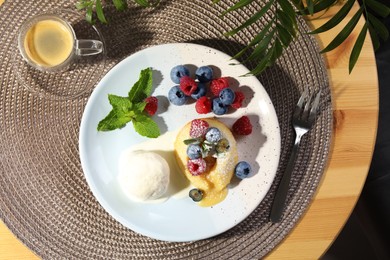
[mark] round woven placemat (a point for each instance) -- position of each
(44, 198)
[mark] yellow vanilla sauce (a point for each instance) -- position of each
(48, 43)
(179, 186)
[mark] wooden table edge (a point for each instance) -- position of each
(304, 233)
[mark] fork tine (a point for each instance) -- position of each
(315, 106)
(299, 106)
(307, 105)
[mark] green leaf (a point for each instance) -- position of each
(238, 5)
(261, 47)
(379, 26)
(284, 36)
(345, 32)
(336, 19)
(277, 52)
(260, 36)
(99, 12)
(286, 22)
(139, 107)
(120, 5)
(114, 120)
(322, 5)
(310, 6)
(143, 87)
(120, 103)
(374, 37)
(145, 126)
(262, 65)
(252, 19)
(357, 47)
(287, 9)
(147, 3)
(379, 8)
(89, 15)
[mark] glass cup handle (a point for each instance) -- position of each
(88, 47)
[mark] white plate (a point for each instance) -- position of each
(178, 218)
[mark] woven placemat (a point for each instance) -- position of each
(44, 198)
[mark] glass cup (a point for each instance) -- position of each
(48, 43)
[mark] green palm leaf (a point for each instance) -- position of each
(357, 47)
(345, 32)
(321, 5)
(252, 19)
(336, 19)
(380, 28)
(99, 12)
(259, 37)
(378, 7)
(374, 37)
(238, 5)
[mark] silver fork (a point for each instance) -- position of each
(303, 119)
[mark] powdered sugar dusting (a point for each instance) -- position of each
(198, 128)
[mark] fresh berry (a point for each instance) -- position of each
(222, 146)
(196, 195)
(194, 151)
(213, 135)
(176, 96)
(218, 108)
(242, 170)
(217, 85)
(151, 105)
(204, 74)
(177, 72)
(226, 96)
(187, 85)
(242, 126)
(200, 91)
(198, 128)
(239, 98)
(197, 166)
(203, 105)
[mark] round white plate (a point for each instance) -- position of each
(178, 218)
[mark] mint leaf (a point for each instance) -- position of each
(115, 120)
(131, 108)
(120, 103)
(120, 114)
(143, 87)
(139, 107)
(145, 126)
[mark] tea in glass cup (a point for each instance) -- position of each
(48, 43)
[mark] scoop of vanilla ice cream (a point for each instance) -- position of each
(143, 175)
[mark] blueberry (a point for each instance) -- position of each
(200, 91)
(196, 195)
(213, 135)
(176, 96)
(242, 170)
(227, 96)
(194, 151)
(218, 107)
(204, 74)
(177, 72)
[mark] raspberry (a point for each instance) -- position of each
(203, 105)
(151, 105)
(187, 85)
(242, 126)
(198, 128)
(239, 98)
(217, 85)
(197, 166)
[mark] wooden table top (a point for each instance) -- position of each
(355, 101)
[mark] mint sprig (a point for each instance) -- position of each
(131, 108)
